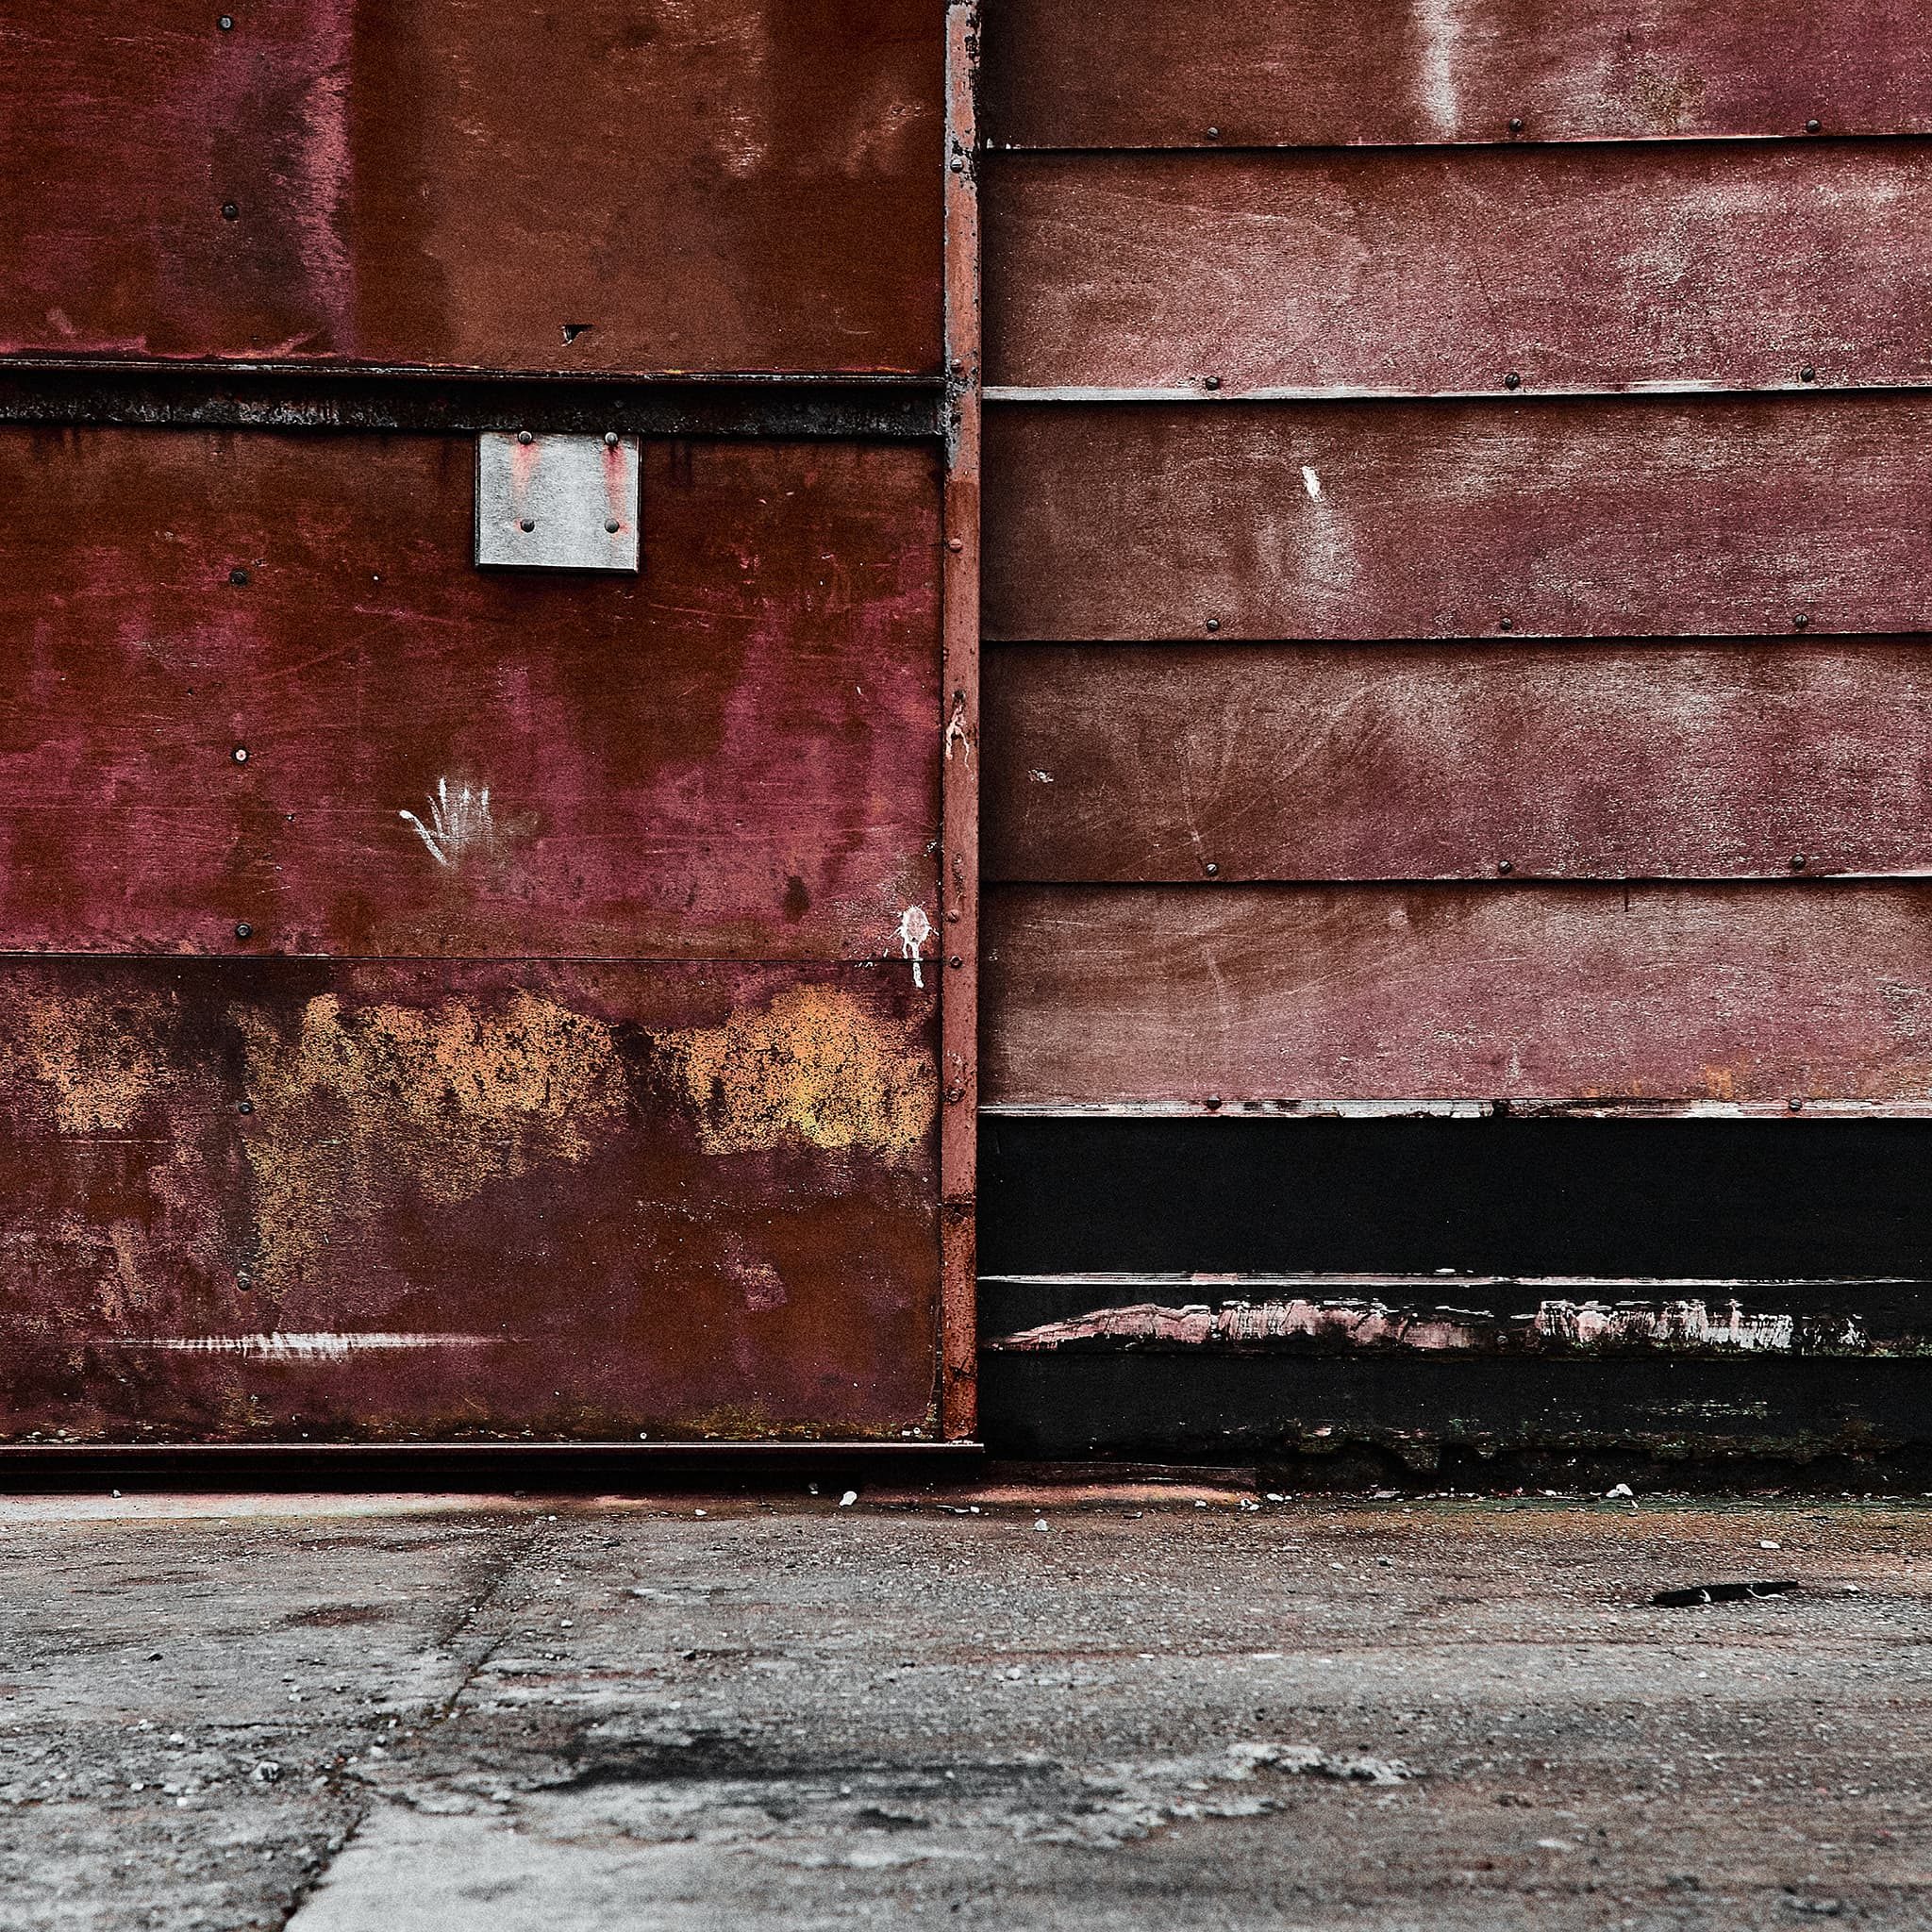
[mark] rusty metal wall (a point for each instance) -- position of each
(1454, 589)
(463, 1006)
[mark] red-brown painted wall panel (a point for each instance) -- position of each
(1631, 516)
(734, 754)
(1656, 992)
(248, 1199)
(1131, 763)
(449, 183)
(1423, 270)
(1321, 73)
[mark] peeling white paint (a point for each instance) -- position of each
(303, 1346)
(1040, 777)
(1682, 1324)
(915, 929)
(460, 823)
(1363, 1324)
(1311, 482)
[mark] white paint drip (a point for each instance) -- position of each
(319, 1346)
(460, 823)
(1311, 482)
(915, 929)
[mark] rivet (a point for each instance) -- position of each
(1810, 127)
(238, 576)
(1808, 374)
(1797, 861)
(226, 23)
(526, 523)
(955, 542)
(1505, 624)
(1210, 382)
(524, 436)
(1795, 1105)
(1801, 622)
(1516, 124)
(958, 165)
(1213, 1102)
(1215, 624)
(1512, 380)
(953, 918)
(1212, 870)
(1505, 865)
(610, 439)
(240, 754)
(244, 1106)
(1214, 134)
(956, 961)
(610, 527)
(244, 930)
(230, 212)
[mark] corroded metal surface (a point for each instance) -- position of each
(1415, 761)
(256, 679)
(585, 188)
(1195, 73)
(409, 1199)
(1415, 271)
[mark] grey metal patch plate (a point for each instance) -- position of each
(556, 502)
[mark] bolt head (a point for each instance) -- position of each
(610, 439)
(244, 930)
(1213, 1102)
(226, 23)
(238, 576)
(246, 1106)
(524, 436)
(240, 754)
(1210, 382)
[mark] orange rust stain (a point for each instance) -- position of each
(1720, 1083)
(97, 1058)
(361, 1104)
(815, 1066)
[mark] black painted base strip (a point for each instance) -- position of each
(493, 1467)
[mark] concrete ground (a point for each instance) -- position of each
(1105, 1709)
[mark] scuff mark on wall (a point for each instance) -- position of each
(300, 1346)
(815, 1068)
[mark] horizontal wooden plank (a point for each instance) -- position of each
(735, 753)
(1465, 1315)
(1578, 268)
(1180, 73)
(1355, 1421)
(459, 184)
(1800, 990)
(1798, 1198)
(1146, 762)
(249, 1199)
(1632, 516)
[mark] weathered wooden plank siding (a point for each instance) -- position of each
(1321, 73)
(734, 754)
(1180, 762)
(1479, 991)
(1719, 516)
(447, 183)
(248, 1199)
(1446, 270)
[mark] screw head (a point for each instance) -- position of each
(1212, 870)
(1215, 624)
(1516, 124)
(610, 439)
(1808, 374)
(526, 525)
(1214, 134)
(1512, 380)
(1213, 1102)
(1504, 866)
(244, 1281)
(1795, 1105)
(610, 527)
(524, 436)
(240, 754)
(1811, 127)
(244, 1106)
(955, 542)
(230, 211)
(244, 930)
(1505, 624)
(238, 576)
(1210, 382)
(1801, 622)
(226, 23)
(1797, 861)
(958, 165)
(956, 961)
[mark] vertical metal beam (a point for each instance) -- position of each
(959, 886)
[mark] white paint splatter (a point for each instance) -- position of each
(460, 823)
(915, 929)
(317, 1346)
(1311, 482)
(1040, 777)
